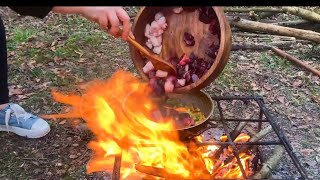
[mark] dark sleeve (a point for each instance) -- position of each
(35, 11)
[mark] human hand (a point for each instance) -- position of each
(110, 16)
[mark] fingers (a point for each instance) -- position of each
(125, 19)
(131, 35)
(103, 22)
(114, 22)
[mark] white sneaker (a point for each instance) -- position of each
(14, 118)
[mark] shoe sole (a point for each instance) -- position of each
(24, 132)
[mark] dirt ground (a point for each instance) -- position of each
(63, 51)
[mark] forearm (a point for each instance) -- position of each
(68, 9)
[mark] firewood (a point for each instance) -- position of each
(255, 138)
(264, 35)
(116, 167)
(270, 164)
(262, 47)
(275, 29)
(233, 135)
(160, 172)
(303, 13)
(295, 60)
(255, 9)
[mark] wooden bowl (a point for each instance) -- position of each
(173, 44)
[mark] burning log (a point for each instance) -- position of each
(116, 167)
(275, 29)
(160, 172)
(254, 138)
(270, 164)
(261, 134)
(233, 135)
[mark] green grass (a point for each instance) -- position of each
(229, 77)
(20, 35)
(274, 62)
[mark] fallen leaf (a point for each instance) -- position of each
(297, 83)
(307, 152)
(311, 163)
(13, 90)
(318, 159)
(62, 122)
(82, 60)
(35, 163)
(58, 164)
(73, 156)
(267, 87)
(281, 99)
(40, 45)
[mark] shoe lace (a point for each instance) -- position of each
(18, 111)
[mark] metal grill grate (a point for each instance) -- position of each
(263, 112)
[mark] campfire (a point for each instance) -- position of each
(118, 111)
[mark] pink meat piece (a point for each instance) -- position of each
(181, 82)
(161, 74)
(161, 21)
(147, 31)
(168, 86)
(154, 41)
(149, 44)
(184, 60)
(148, 67)
(154, 27)
(159, 38)
(158, 16)
(157, 49)
(177, 10)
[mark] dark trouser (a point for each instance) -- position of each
(4, 92)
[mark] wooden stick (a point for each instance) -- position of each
(275, 29)
(303, 13)
(270, 164)
(263, 35)
(295, 60)
(261, 47)
(255, 9)
(160, 172)
(257, 137)
(116, 167)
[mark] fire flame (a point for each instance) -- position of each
(118, 111)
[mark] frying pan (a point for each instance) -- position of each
(198, 99)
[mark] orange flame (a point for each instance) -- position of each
(119, 113)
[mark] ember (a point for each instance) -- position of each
(118, 111)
